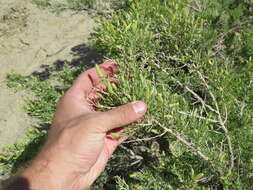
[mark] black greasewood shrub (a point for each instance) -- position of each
(191, 62)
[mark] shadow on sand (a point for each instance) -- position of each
(82, 54)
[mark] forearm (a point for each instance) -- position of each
(33, 178)
(41, 175)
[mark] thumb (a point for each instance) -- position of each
(122, 115)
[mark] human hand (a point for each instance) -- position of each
(79, 143)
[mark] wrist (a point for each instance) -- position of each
(45, 174)
(39, 176)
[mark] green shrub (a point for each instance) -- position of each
(191, 62)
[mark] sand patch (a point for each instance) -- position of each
(29, 38)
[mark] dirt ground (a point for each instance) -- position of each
(31, 37)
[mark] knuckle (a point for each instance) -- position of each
(123, 114)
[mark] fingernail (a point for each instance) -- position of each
(139, 107)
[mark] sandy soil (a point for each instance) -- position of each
(31, 37)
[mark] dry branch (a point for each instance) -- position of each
(146, 139)
(198, 116)
(221, 121)
(185, 142)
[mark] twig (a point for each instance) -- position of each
(144, 124)
(198, 116)
(200, 99)
(189, 90)
(221, 122)
(185, 142)
(198, 4)
(23, 42)
(134, 156)
(59, 51)
(146, 139)
(196, 96)
(193, 8)
(218, 47)
(226, 114)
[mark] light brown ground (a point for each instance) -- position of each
(31, 37)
